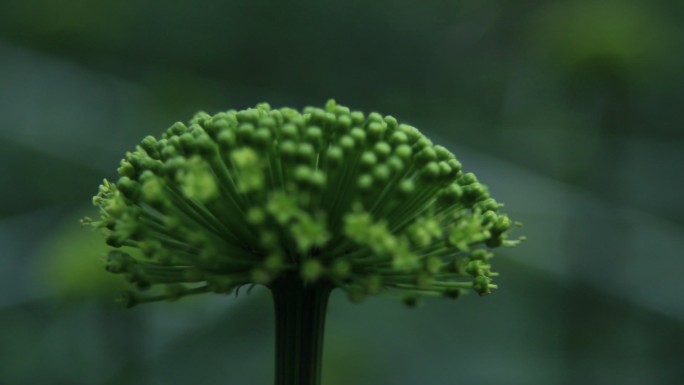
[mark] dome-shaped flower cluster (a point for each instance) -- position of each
(359, 201)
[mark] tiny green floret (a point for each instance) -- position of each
(358, 202)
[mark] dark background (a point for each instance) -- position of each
(571, 111)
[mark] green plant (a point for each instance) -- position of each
(302, 203)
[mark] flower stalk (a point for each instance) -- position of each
(300, 310)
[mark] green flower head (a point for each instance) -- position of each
(359, 201)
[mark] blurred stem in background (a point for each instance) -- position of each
(602, 91)
(599, 84)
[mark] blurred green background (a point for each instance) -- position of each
(571, 111)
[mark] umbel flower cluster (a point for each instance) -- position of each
(247, 197)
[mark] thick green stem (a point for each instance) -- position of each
(300, 319)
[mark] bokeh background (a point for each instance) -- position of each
(571, 111)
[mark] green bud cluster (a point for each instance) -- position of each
(246, 197)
